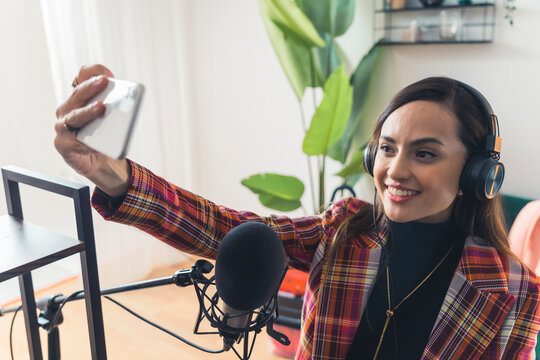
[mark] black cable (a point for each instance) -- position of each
(52, 323)
(11, 332)
(163, 329)
(59, 311)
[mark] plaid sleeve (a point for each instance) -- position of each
(525, 331)
(195, 225)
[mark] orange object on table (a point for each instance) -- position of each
(294, 282)
(290, 299)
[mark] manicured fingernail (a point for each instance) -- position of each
(98, 79)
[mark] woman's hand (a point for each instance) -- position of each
(111, 175)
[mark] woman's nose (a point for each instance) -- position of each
(399, 168)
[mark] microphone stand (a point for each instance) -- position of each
(50, 315)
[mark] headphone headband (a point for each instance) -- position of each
(493, 140)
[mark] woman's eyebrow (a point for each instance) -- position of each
(416, 142)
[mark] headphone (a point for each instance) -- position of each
(483, 173)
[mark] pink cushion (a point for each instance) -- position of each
(524, 237)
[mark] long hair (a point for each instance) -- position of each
(484, 219)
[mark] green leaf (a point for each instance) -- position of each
(353, 179)
(275, 203)
(331, 115)
(278, 192)
(329, 16)
(281, 186)
(287, 15)
(355, 165)
(363, 112)
(294, 57)
(326, 58)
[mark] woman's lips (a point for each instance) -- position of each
(398, 195)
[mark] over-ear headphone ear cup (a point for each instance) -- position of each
(482, 177)
(369, 157)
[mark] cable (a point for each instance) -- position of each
(59, 311)
(11, 332)
(163, 329)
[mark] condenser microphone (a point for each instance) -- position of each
(250, 266)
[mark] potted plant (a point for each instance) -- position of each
(303, 34)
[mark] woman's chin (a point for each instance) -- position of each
(400, 219)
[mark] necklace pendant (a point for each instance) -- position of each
(389, 313)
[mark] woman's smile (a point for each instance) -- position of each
(399, 195)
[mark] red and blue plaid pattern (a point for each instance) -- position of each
(490, 310)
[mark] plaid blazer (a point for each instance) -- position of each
(489, 312)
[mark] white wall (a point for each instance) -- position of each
(27, 99)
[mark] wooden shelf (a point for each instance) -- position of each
(26, 247)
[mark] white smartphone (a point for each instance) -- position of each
(110, 133)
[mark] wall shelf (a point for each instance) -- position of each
(441, 7)
(450, 23)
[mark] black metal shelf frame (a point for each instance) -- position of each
(80, 194)
(437, 8)
(485, 26)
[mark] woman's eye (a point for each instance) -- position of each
(425, 154)
(385, 148)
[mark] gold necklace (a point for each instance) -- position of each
(390, 311)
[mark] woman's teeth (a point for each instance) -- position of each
(399, 192)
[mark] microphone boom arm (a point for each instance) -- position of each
(49, 306)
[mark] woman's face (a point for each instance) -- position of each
(418, 163)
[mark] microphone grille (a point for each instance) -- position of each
(249, 266)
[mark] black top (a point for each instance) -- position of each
(414, 251)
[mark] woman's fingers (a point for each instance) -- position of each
(65, 141)
(78, 117)
(91, 80)
(88, 71)
(82, 93)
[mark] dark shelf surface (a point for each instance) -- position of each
(25, 246)
(436, 26)
(431, 8)
(434, 42)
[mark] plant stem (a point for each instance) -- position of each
(310, 171)
(321, 184)
(329, 57)
(312, 75)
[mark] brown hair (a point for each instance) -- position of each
(484, 219)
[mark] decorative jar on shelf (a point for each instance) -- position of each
(398, 4)
(449, 26)
(431, 3)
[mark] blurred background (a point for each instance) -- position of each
(218, 106)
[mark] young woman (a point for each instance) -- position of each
(425, 272)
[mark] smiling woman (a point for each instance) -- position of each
(424, 272)
(419, 162)
(433, 147)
